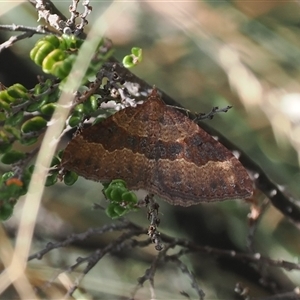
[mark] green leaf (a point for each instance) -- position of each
(7, 175)
(12, 188)
(51, 179)
(4, 147)
(54, 96)
(31, 169)
(91, 105)
(17, 91)
(13, 130)
(120, 210)
(55, 161)
(4, 105)
(15, 119)
(48, 109)
(12, 157)
(134, 58)
(70, 178)
(75, 119)
(114, 190)
(36, 105)
(6, 210)
(118, 182)
(39, 52)
(52, 39)
(129, 197)
(53, 57)
(4, 96)
(27, 174)
(35, 50)
(116, 194)
(79, 108)
(62, 69)
(70, 42)
(27, 141)
(137, 52)
(110, 211)
(128, 61)
(60, 154)
(2, 116)
(34, 124)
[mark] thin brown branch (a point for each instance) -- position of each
(256, 258)
(184, 269)
(14, 39)
(126, 242)
(82, 236)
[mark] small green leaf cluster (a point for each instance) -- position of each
(23, 117)
(134, 58)
(9, 95)
(56, 55)
(20, 120)
(70, 177)
(43, 98)
(11, 188)
(18, 113)
(82, 110)
(122, 201)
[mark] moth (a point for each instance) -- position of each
(157, 148)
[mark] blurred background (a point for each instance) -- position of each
(203, 54)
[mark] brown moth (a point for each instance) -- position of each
(157, 148)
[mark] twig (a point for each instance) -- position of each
(82, 236)
(150, 273)
(153, 233)
(242, 291)
(211, 114)
(184, 269)
(48, 5)
(13, 39)
(75, 14)
(48, 11)
(27, 33)
(254, 219)
(126, 241)
(117, 245)
(203, 116)
(190, 247)
(34, 30)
